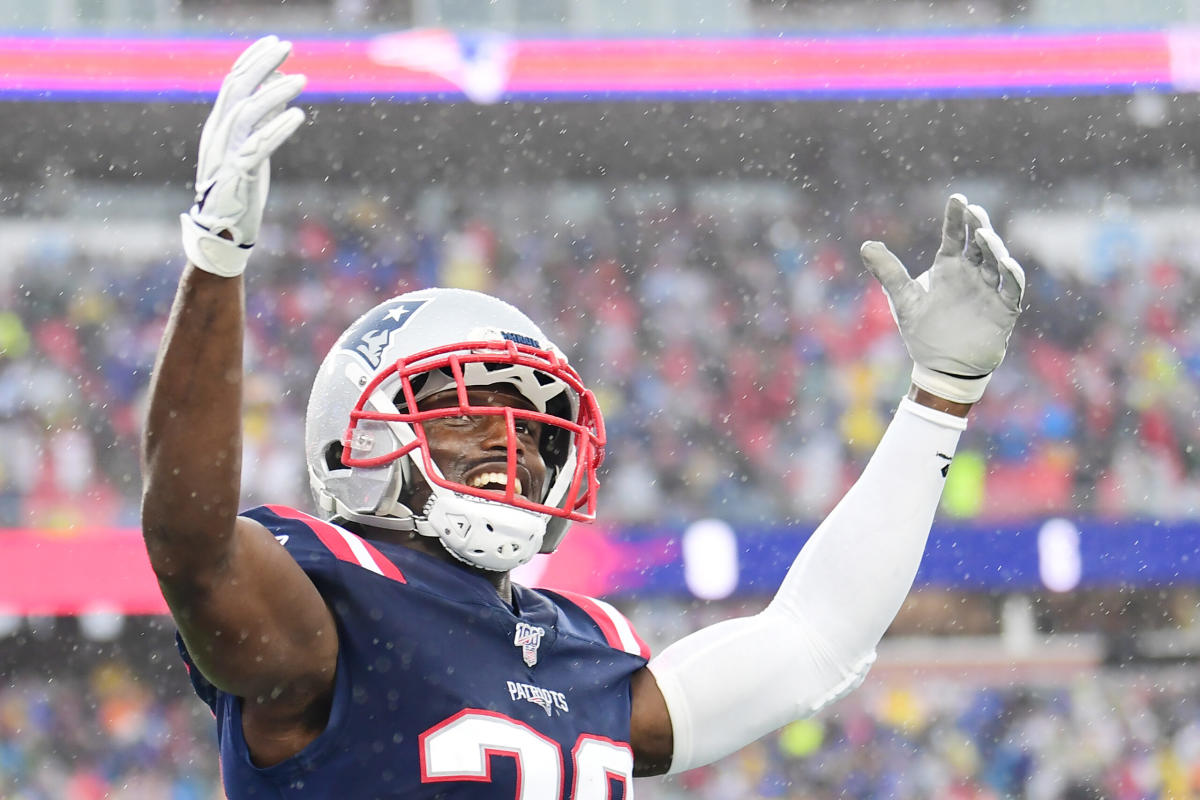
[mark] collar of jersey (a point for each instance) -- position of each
(449, 580)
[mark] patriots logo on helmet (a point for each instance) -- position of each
(371, 336)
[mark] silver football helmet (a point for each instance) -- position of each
(366, 443)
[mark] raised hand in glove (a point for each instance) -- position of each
(956, 317)
(249, 121)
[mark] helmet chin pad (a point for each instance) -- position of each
(487, 534)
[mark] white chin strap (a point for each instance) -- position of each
(483, 533)
(392, 515)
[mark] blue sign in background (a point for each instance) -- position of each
(968, 556)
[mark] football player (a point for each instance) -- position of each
(378, 648)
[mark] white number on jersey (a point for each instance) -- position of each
(461, 749)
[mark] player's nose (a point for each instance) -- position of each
(494, 433)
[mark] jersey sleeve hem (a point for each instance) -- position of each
(616, 628)
(316, 753)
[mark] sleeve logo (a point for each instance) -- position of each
(945, 467)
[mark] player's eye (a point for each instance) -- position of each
(526, 427)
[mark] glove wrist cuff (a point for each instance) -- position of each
(950, 387)
(210, 252)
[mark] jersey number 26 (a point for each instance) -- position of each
(461, 748)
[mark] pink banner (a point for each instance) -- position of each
(74, 573)
(436, 64)
(64, 574)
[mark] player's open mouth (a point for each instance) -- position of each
(494, 481)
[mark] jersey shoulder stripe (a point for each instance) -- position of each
(343, 544)
(617, 629)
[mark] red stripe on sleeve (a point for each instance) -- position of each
(332, 538)
(643, 648)
(598, 615)
(324, 531)
(385, 566)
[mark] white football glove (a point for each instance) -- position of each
(249, 121)
(956, 317)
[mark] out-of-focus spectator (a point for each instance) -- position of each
(745, 365)
(1111, 735)
(99, 730)
(102, 735)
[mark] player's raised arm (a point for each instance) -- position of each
(253, 622)
(724, 686)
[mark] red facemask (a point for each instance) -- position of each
(585, 432)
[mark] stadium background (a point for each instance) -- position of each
(691, 239)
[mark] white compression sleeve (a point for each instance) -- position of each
(731, 683)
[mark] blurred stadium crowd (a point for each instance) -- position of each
(746, 366)
(103, 735)
(108, 730)
(745, 363)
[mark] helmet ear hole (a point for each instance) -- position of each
(333, 457)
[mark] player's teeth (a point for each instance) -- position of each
(479, 481)
(489, 477)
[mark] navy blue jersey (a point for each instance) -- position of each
(443, 690)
